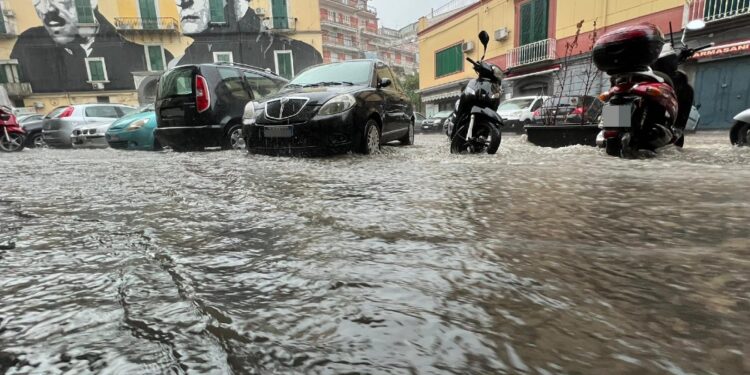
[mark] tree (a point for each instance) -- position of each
(410, 84)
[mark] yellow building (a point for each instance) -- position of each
(114, 51)
(527, 36)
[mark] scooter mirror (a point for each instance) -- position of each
(484, 38)
(696, 25)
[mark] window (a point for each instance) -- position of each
(534, 17)
(3, 29)
(284, 64)
(155, 58)
(176, 82)
(216, 8)
(9, 73)
(96, 69)
(449, 61)
(280, 14)
(223, 57)
(261, 86)
(231, 87)
(149, 16)
(84, 11)
(102, 111)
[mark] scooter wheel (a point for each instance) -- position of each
(613, 147)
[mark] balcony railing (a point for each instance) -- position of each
(543, 50)
(18, 89)
(330, 21)
(167, 24)
(282, 24)
(717, 10)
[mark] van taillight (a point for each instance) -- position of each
(67, 112)
(202, 95)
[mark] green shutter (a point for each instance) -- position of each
(534, 21)
(284, 60)
(148, 14)
(3, 75)
(280, 16)
(217, 10)
(3, 30)
(156, 58)
(541, 18)
(527, 25)
(97, 70)
(449, 61)
(84, 11)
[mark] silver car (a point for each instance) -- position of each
(90, 135)
(60, 123)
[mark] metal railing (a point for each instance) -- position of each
(17, 89)
(330, 20)
(716, 10)
(542, 50)
(282, 24)
(147, 24)
(343, 43)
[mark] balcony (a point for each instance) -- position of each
(281, 25)
(543, 50)
(18, 89)
(147, 25)
(351, 5)
(331, 22)
(346, 45)
(717, 10)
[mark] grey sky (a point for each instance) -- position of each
(399, 13)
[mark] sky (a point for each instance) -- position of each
(399, 13)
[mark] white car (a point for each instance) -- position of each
(90, 135)
(518, 112)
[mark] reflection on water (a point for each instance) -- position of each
(414, 261)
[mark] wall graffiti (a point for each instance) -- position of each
(77, 49)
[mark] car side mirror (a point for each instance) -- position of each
(385, 82)
(4, 117)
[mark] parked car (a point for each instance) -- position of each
(199, 106)
(518, 112)
(569, 110)
(60, 123)
(355, 105)
(135, 132)
(435, 122)
(739, 135)
(34, 137)
(90, 135)
(25, 119)
(418, 118)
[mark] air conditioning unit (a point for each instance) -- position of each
(260, 11)
(501, 34)
(97, 85)
(468, 46)
(9, 13)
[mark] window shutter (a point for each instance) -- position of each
(541, 16)
(3, 75)
(449, 61)
(155, 58)
(217, 10)
(527, 25)
(3, 30)
(97, 70)
(84, 11)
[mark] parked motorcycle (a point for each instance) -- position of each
(650, 100)
(12, 136)
(475, 125)
(740, 133)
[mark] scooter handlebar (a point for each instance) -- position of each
(701, 48)
(471, 61)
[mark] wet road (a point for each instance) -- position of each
(531, 261)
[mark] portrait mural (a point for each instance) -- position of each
(77, 49)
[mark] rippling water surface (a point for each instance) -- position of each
(532, 261)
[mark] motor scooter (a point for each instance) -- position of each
(12, 135)
(649, 104)
(740, 133)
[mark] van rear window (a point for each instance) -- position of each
(176, 83)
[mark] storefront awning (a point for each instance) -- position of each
(443, 96)
(443, 92)
(548, 71)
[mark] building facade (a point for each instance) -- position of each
(351, 31)
(60, 52)
(533, 39)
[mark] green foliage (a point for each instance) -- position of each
(410, 84)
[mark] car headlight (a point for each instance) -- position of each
(248, 117)
(338, 104)
(137, 124)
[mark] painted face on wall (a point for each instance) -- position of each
(240, 7)
(60, 18)
(194, 15)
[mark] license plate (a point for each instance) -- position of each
(617, 116)
(114, 138)
(278, 131)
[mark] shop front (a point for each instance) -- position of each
(442, 98)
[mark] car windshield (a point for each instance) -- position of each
(443, 114)
(352, 72)
(146, 108)
(515, 104)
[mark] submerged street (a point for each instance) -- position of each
(533, 260)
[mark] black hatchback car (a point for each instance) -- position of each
(335, 108)
(199, 106)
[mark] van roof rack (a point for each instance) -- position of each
(267, 70)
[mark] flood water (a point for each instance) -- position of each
(531, 261)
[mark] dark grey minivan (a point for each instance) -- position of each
(199, 106)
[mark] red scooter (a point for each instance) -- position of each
(12, 135)
(649, 103)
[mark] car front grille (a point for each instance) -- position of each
(118, 144)
(285, 108)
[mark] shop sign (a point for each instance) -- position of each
(738, 48)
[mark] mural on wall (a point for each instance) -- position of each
(243, 34)
(53, 57)
(76, 46)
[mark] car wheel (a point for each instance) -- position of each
(233, 139)
(408, 139)
(371, 141)
(157, 146)
(37, 141)
(740, 135)
(13, 142)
